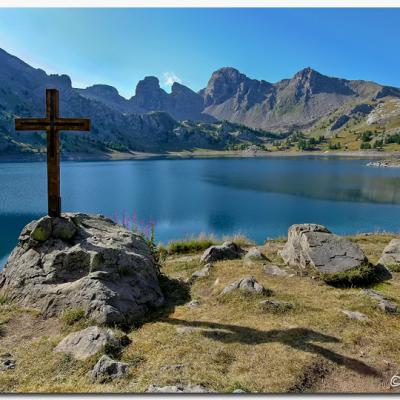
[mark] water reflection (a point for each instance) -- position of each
(257, 197)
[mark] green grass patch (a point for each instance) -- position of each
(190, 245)
(72, 316)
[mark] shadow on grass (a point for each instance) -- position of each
(297, 338)
(175, 291)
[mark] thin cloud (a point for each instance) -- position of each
(170, 78)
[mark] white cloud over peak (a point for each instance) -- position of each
(170, 78)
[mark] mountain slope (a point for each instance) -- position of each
(231, 112)
(117, 124)
(295, 103)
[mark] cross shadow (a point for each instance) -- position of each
(297, 338)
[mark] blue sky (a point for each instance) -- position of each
(121, 46)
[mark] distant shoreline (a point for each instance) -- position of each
(119, 156)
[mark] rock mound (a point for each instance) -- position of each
(88, 342)
(82, 262)
(312, 245)
(227, 251)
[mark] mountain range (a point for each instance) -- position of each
(232, 111)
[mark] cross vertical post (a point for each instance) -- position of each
(53, 154)
(53, 124)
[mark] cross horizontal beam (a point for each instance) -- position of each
(60, 124)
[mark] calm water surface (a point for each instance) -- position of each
(259, 197)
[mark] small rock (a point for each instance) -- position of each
(239, 391)
(7, 362)
(355, 315)
(63, 228)
(227, 251)
(107, 369)
(42, 229)
(248, 285)
(194, 304)
(254, 254)
(274, 270)
(384, 304)
(178, 389)
(202, 273)
(374, 294)
(388, 306)
(276, 305)
(86, 343)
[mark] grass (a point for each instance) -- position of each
(202, 242)
(72, 316)
(229, 343)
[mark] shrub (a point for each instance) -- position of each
(365, 146)
(364, 275)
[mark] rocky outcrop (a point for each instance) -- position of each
(107, 369)
(88, 342)
(227, 251)
(82, 262)
(312, 245)
(391, 254)
(247, 285)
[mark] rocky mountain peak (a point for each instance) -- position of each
(308, 82)
(148, 95)
(222, 85)
(146, 85)
(101, 89)
(60, 81)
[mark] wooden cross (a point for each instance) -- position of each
(52, 124)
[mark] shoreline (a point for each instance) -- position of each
(119, 156)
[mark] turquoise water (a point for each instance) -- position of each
(259, 197)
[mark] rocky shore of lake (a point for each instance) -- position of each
(387, 163)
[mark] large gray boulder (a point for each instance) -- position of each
(226, 251)
(312, 245)
(88, 342)
(82, 262)
(391, 254)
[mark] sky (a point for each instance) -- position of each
(121, 46)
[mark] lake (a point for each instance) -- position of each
(258, 197)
